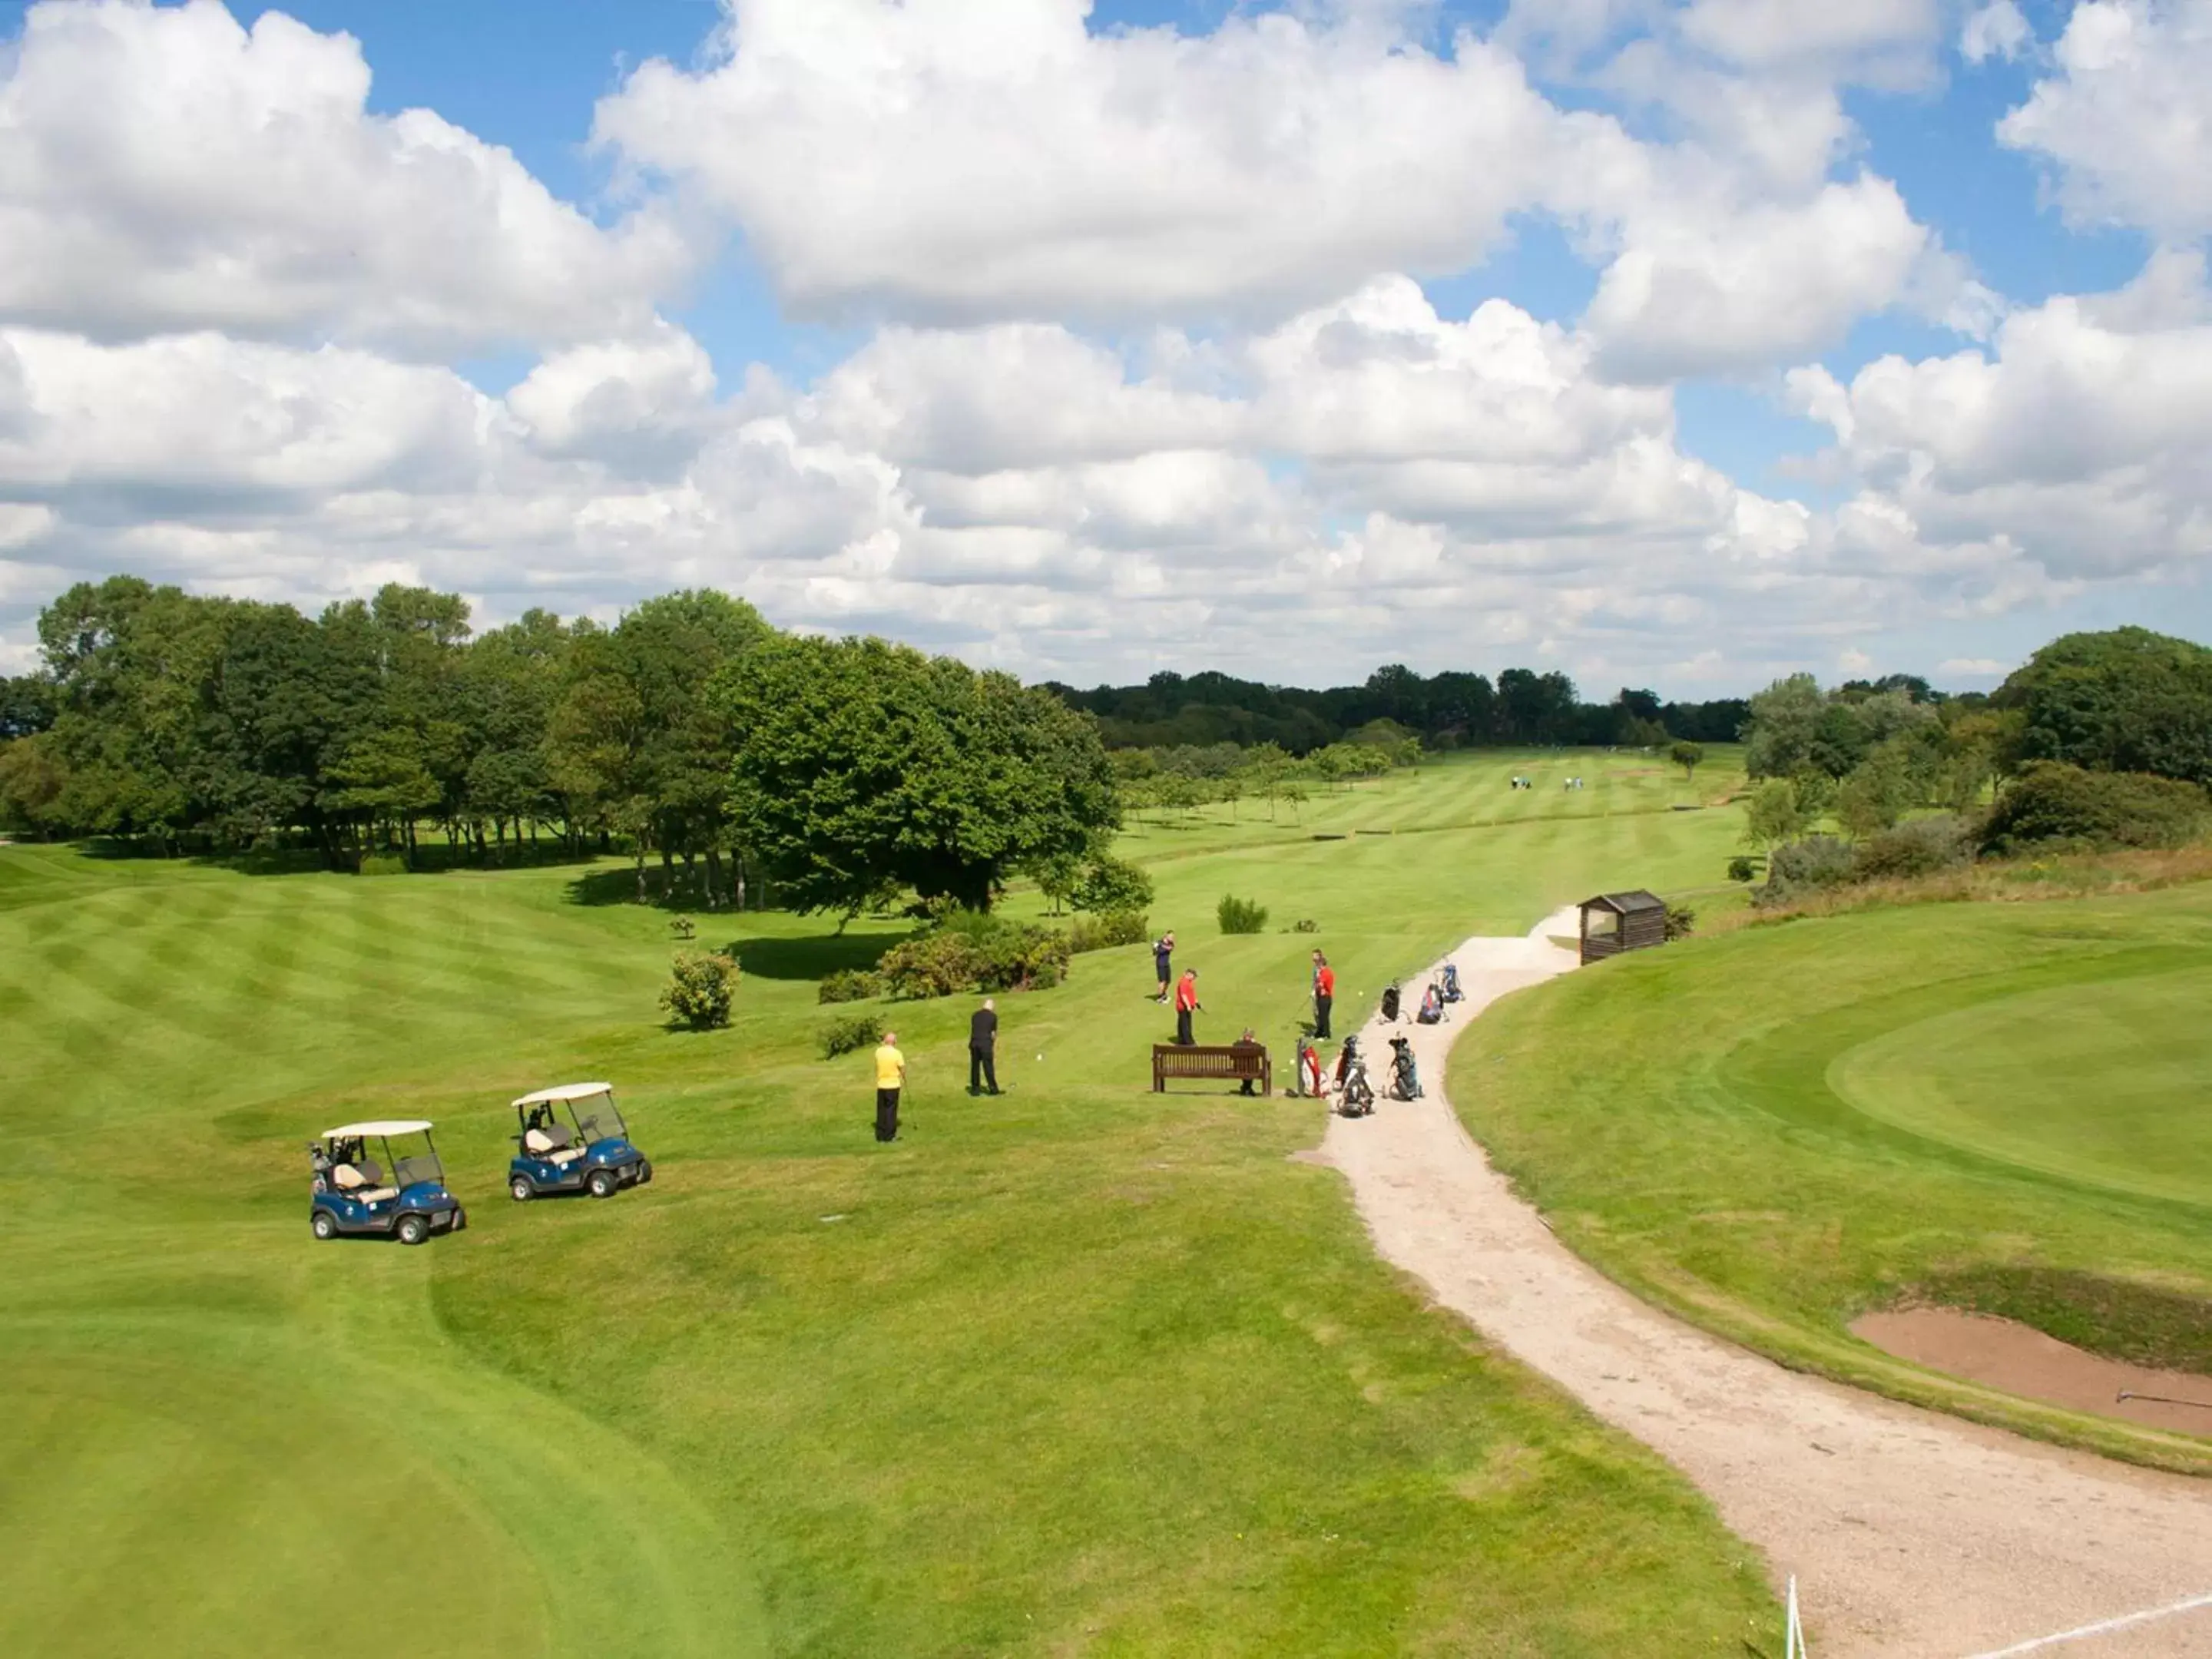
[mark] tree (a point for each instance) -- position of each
(1880, 791)
(1785, 720)
(2125, 700)
(866, 764)
(1688, 756)
(1774, 816)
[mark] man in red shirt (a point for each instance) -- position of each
(1187, 1004)
(1324, 989)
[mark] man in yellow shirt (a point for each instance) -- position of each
(890, 1078)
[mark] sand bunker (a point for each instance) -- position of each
(2002, 1353)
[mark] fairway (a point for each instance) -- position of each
(2000, 1106)
(1077, 1370)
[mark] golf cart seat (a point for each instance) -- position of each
(359, 1182)
(553, 1147)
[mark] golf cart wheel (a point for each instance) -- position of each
(602, 1184)
(412, 1228)
(522, 1187)
(644, 1171)
(326, 1225)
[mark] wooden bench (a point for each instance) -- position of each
(1237, 1063)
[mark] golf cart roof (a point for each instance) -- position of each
(379, 1126)
(567, 1092)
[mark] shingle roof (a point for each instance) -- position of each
(1622, 904)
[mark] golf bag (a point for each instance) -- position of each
(1452, 992)
(1309, 1078)
(1405, 1076)
(1432, 1006)
(1355, 1095)
(1390, 1005)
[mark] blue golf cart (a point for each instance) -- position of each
(404, 1196)
(573, 1138)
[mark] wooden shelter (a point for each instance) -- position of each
(1613, 922)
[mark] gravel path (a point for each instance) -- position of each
(1909, 1531)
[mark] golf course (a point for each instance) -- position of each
(1075, 1370)
(1995, 1106)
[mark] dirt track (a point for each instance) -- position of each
(1909, 1531)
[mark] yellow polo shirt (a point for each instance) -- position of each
(890, 1068)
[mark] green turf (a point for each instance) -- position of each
(2001, 1105)
(1080, 1369)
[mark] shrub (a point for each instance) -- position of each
(2051, 803)
(848, 985)
(1308, 925)
(1105, 931)
(1681, 921)
(701, 986)
(972, 951)
(1110, 884)
(1814, 862)
(1919, 847)
(1740, 868)
(1238, 916)
(383, 863)
(842, 1036)
(683, 928)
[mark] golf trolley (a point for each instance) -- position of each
(1355, 1095)
(1405, 1076)
(354, 1192)
(590, 1152)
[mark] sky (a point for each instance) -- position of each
(1669, 342)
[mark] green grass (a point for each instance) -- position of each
(2000, 1106)
(1080, 1369)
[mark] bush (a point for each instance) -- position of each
(1920, 847)
(1103, 931)
(842, 1036)
(700, 987)
(1814, 862)
(972, 951)
(683, 928)
(1307, 926)
(1740, 868)
(383, 863)
(1111, 884)
(848, 985)
(2050, 802)
(1681, 921)
(1238, 916)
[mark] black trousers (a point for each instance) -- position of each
(1321, 1005)
(983, 1070)
(887, 1114)
(1182, 1028)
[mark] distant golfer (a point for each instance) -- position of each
(982, 1048)
(890, 1078)
(1324, 989)
(1164, 960)
(1186, 1005)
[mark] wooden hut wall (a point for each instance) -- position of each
(1640, 928)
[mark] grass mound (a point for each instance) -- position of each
(1776, 1131)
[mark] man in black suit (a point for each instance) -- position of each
(983, 1048)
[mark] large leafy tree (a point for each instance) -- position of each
(2125, 700)
(868, 767)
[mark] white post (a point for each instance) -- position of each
(1794, 1635)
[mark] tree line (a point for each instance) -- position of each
(1449, 710)
(843, 770)
(2074, 734)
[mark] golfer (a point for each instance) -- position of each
(982, 1048)
(1324, 990)
(890, 1078)
(1163, 958)
(1187, 1004)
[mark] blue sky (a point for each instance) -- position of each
(1787, 346)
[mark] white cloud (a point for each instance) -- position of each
(1869, 40)
(1972, 668)
(163, 169)
(962, 159)
(2078, 436)
(2125, 119)
(1996, 30)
